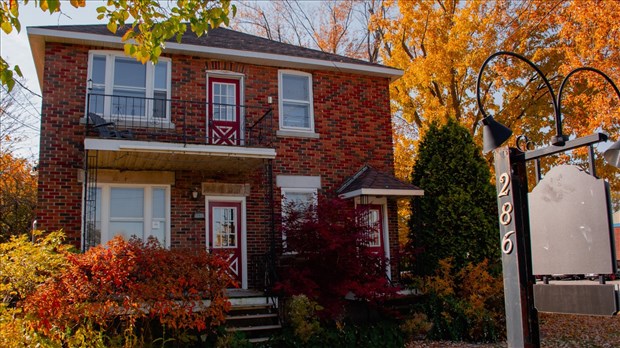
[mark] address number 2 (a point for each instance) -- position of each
(505, 216)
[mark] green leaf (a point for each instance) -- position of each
(102, 9)
(54, 5)
(18, 71)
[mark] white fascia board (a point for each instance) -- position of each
(382, 192)
(238, 55)
(159, 147)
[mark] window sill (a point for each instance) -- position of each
(297, 134)
(139, 124)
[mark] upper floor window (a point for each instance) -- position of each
(121, 86)
(295, 101)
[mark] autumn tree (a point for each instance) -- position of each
(441, 45)
(457, 217)
(333, 26)
(18, 195)
(18, 181)
(151, 23)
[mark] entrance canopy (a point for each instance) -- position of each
(370, 182)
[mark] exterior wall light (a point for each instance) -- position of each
(195, 193)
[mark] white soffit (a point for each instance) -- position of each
(382, 192)
(153, 147)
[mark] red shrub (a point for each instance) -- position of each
(331, 257)
(127, 281)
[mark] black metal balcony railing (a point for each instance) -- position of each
(179, 121)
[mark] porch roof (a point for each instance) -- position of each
(152, 155)
(370, 182)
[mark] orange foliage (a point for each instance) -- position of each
(133, 282)
(18, 195)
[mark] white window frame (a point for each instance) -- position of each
(150, 82)
(281, 102)
(148, 209)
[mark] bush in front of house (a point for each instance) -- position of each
(465, 305)
(328, 243)
(26, 262)
(128, 293)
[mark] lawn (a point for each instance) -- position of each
(559, 330)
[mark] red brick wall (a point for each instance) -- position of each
(351, 115)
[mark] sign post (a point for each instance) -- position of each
(521, 316)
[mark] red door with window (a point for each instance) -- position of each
(224, 112)
(374, 218)
(225, 234)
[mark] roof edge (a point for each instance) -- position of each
(239, 55)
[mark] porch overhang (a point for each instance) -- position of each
(371, 182)
(152, 155)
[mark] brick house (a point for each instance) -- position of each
(203, 148)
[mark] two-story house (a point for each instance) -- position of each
(203, 148)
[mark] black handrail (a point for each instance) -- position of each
(182, 121)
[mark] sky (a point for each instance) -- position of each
(15, 48)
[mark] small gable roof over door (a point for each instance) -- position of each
(370, 182)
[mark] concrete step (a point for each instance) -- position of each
(255, 328)
(251, 319)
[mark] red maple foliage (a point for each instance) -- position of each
(331, 258)
(130, 281)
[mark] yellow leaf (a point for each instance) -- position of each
(6, 27)
(112, 27)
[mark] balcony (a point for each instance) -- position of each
(137, 133)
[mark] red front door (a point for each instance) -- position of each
(225, 234)
(224, 116)
(374, 218)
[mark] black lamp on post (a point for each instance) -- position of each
(494, 134)
(521, 315)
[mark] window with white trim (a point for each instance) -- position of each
(132, 210)
(295, 101)
(123, 87)
(297, 199)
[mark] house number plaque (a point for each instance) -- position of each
(505, 215)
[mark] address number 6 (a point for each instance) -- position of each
(507, 244)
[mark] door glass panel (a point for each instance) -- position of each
(224, 97)
(224, 227)
(126, 202)
(374, 224)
